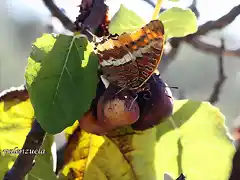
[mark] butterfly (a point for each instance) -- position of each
(129, 60)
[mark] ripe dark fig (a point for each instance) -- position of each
(117, 107)
(155, 104)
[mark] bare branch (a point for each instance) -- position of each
(151, 3)
(197, 43)
(96, 16)
(205, 28)
(219, 23)
(194, 9)
(91, 18)
(221, 78)
(56, 12)
(24, 162)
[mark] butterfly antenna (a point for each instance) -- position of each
(120, 90)
(171, 87)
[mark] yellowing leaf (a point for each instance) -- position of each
(178, 22)
(16, 117)
(125, 20)
(192, 141)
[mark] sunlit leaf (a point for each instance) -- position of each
(193, 141)
(125, 20)
(178, 22)
(16, 117)
(61, 79)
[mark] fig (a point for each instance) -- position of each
(90, 124)
(114, 107)
(155, 104)
(117, 107)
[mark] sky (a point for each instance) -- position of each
(209, 9)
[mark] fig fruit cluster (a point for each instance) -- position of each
(114, 107)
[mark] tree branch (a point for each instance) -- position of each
(213, 25)
(198, 44)
(24, 162)
(219, 23)
(214, 97)
(151, 3)
(193, 39)
(56, 12)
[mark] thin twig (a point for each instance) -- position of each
(194, 40)
(219, 23)
(56, 12)
(209, 48)
(24, 162)
(194, 9)
(96, 15)
(151, 3)
(213, 25)
(214, 97)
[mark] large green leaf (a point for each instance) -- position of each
(178, 22)
(193, 141)
(125, 20)
(61, 78)
(16, 117)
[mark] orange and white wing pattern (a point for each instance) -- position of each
(130, 59)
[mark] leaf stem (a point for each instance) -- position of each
(157, 9)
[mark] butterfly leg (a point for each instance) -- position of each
(133, 102)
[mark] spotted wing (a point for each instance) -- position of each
(118, 63)
(150, 50)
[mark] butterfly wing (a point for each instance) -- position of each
(130, 59)
(150, 50)
(118, 64)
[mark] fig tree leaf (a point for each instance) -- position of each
(192, 146)
(61, 79)
(178, 22)
(193, 141)
(126, 21)
(16, 117)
